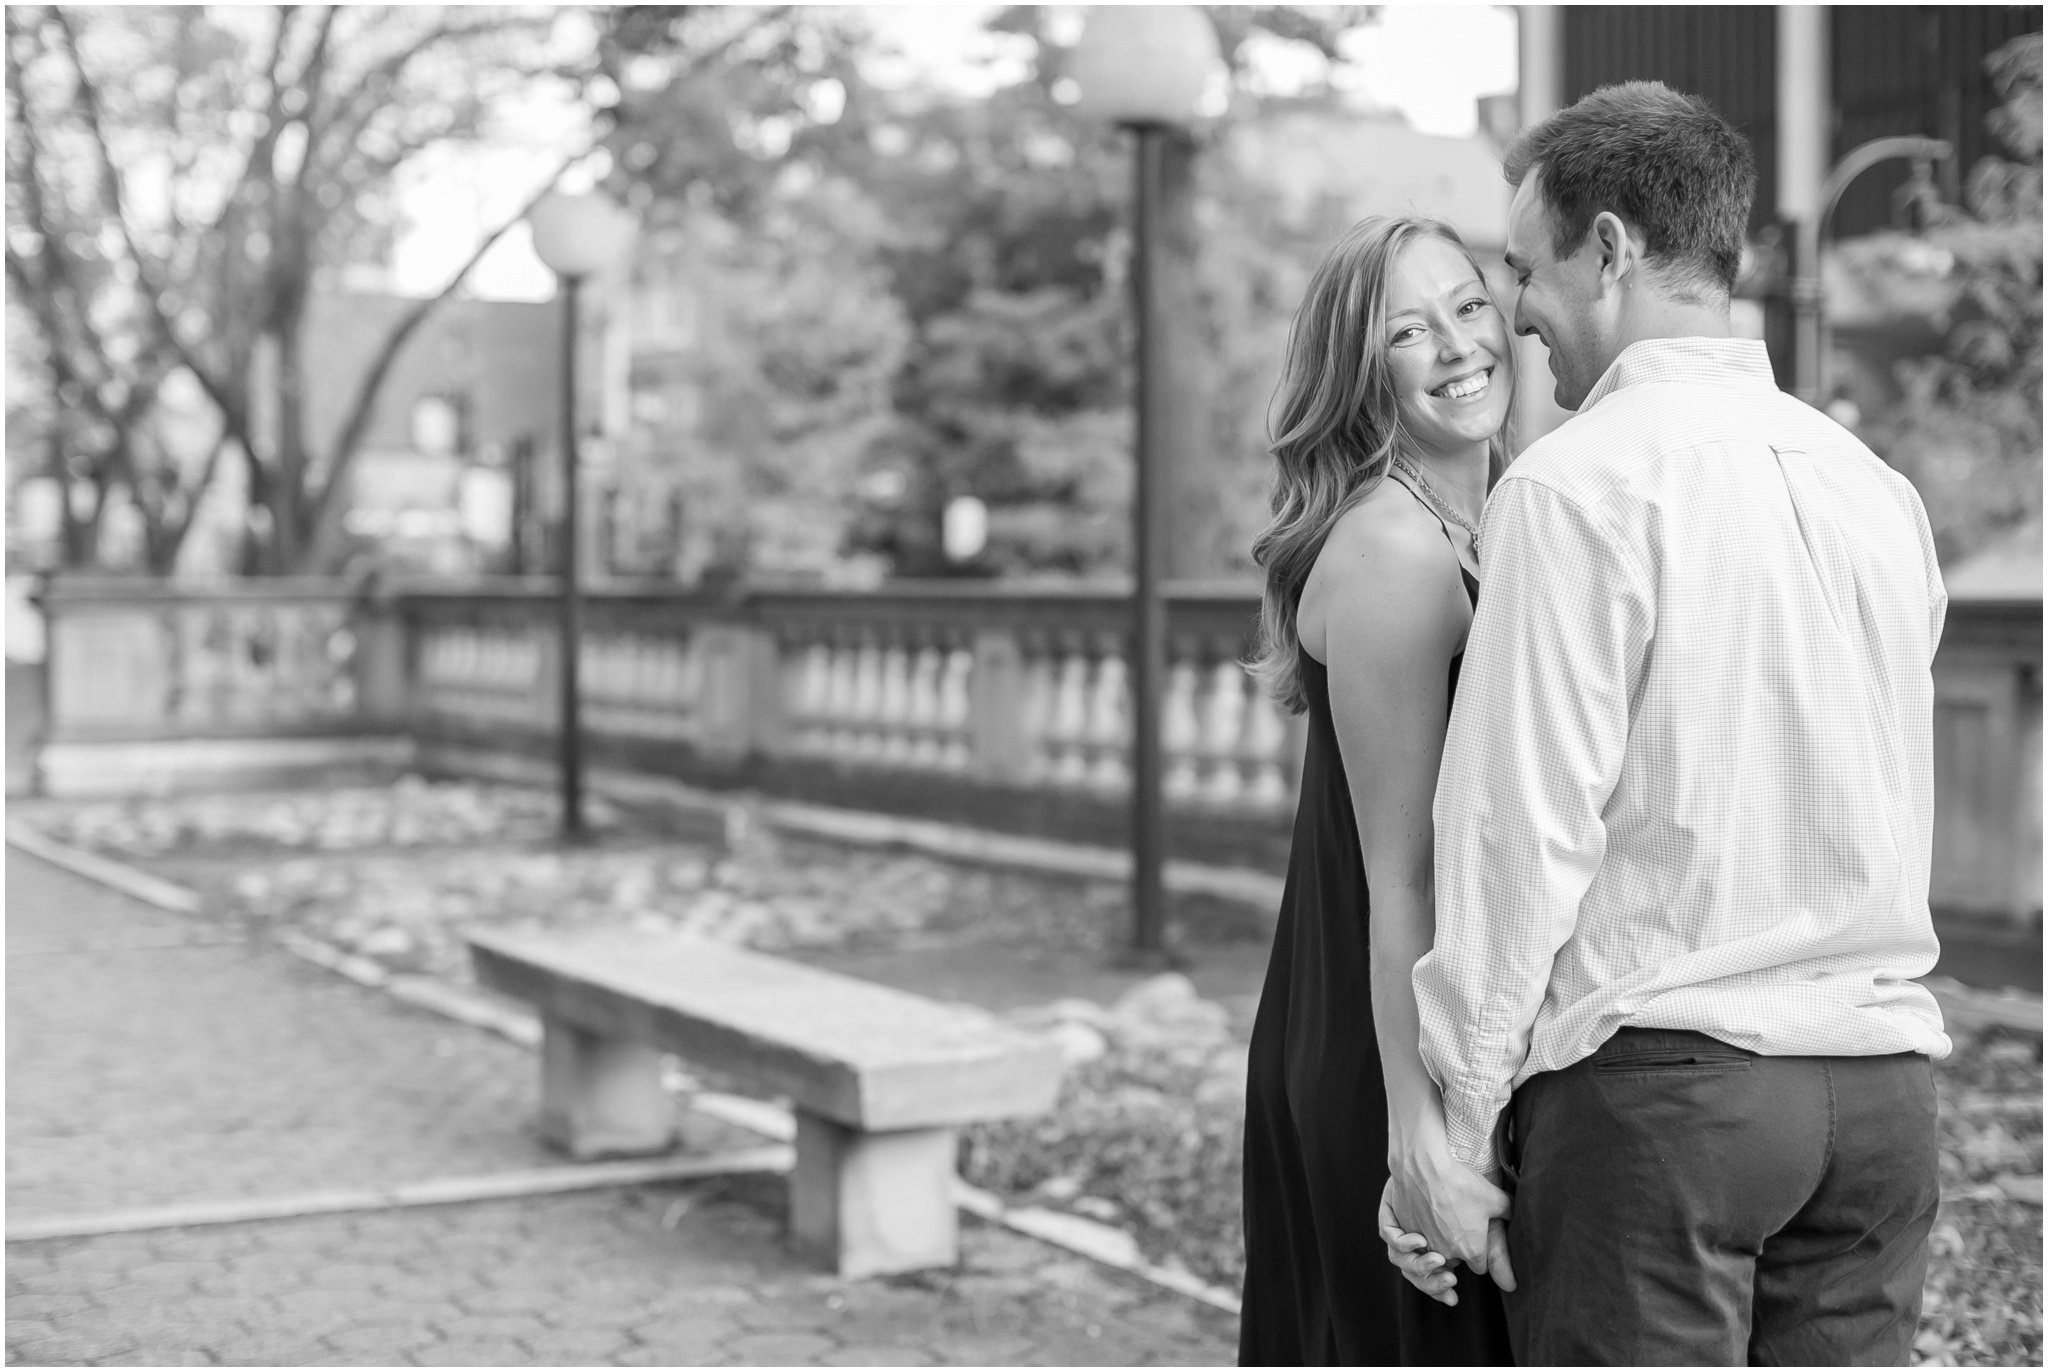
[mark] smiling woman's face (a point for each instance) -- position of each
(1447, 349)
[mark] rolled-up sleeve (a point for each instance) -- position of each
(1535, 746)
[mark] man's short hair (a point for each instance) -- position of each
(1670, 166)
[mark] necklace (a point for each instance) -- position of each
(1436, 502)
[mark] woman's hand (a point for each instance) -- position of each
(1458, 1212)
(1424, 1268)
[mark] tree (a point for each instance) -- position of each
(1968, 430)
(1015, 269)
(178, 182)
(992, 228)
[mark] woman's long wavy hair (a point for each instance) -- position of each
(1336, 425)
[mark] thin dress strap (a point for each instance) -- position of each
(1470, 581)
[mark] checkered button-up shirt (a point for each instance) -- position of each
(1688, 782)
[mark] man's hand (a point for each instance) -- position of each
(1457, 1211)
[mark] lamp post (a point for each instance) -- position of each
(1810, 327)
(1143, 68)
(574, 235)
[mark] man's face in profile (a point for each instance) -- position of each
(1555, 295)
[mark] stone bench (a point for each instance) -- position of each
(880, 1079)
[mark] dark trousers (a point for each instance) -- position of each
(1678, 1200)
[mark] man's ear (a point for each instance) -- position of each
(1616, 250)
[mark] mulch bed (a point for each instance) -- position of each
(1147, 1133)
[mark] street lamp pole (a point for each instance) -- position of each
(1148, 610)
(569, 629)
(575, 235)
(1143, 68)
(1810, 336)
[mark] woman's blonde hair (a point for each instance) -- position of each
(1336, 424)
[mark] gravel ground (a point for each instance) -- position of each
(1147, 1132)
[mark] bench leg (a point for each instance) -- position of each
(602, 1097)
(868, 1204)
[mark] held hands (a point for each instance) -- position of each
(1436, 1210)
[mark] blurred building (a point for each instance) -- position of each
(1328, 169)
(1806, 83)
(453, 472)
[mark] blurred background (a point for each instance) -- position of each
(786, 475)
(881, 269)
(274, 311)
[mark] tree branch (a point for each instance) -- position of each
(363, 406)
(233, 407)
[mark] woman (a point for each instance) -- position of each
(1391, 418)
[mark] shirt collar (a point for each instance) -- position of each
(1704, 361)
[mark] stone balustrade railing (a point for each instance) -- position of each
(1020, 687)
(1000, 705)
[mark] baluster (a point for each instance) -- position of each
(839, 736)
(626, 671)
(1070, 720)
(618, 669)
(1265, 736)
(690, 669)
(894, 707)
(644, 663)
(1179, 732)
(926, 750)
(954, 708)
(867, 697)
(1222, 729)
(596, 678)
(1109, 733)
(813, 696)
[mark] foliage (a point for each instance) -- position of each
(1968, 430)
(178, 180)
(994, 226)
(799, 337)
(1983, 1302)
(1148, 1136)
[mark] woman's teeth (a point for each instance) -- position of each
(1469, 386)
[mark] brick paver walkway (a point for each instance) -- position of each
(155, 1059)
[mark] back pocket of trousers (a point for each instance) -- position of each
(1667, 1061)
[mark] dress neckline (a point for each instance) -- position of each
(1470, 578)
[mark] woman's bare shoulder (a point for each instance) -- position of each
(1387, 539)
(1386, 554)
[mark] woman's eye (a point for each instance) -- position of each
(1474, 304)
(1408, 334)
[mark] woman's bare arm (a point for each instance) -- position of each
(1393, 612)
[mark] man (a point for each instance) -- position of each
(1685, 809)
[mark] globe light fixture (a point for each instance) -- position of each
(1144, 64)
(963, 530)
(1144, 68)
(574, 235)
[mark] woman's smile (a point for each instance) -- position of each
(1470, 386)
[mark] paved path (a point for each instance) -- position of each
(155, 1059)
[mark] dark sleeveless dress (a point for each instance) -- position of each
(1318, 1287)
